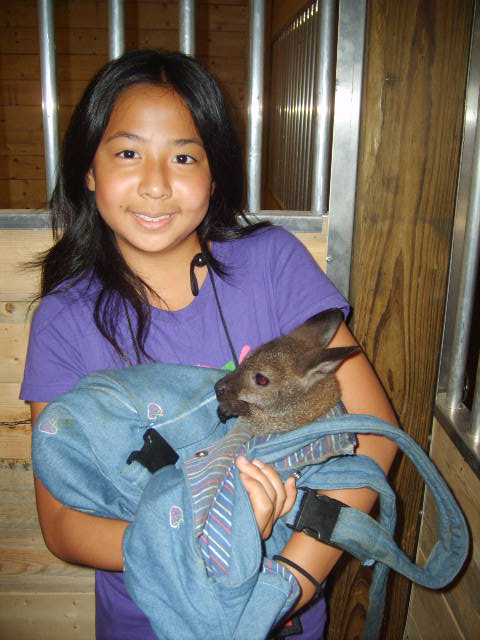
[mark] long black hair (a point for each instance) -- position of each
(85, 245)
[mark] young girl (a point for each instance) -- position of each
(155, 262)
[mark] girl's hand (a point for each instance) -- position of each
(269, 496)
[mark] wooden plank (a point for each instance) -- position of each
(21, 142)
(51, 616)
(316, 243)
(412, 113)
(22, 194)
(83, 67)
(13, 348)
(27, 565)
(89, 14)
(17, 312)
(29, 93)
(15, 430)
(432, 621)
(77, 41)
(459, 600)
(17, 248)
(22, 167)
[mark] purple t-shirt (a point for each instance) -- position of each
(273, 285)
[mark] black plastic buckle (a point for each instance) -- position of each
(317, 515)
(155, 453)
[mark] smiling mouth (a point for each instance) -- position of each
(143, 216)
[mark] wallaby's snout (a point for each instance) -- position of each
(227, 391)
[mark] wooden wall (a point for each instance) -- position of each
(82, 47)
(415, 72)
(453, 612)
(41, 597)
(412, 112)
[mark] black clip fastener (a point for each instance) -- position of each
(155, 453)
(317, 515)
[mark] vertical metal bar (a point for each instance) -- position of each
(475, 425)
(346, 131)
(304, 120)
(255, 104)
(289, 113)
(276, 128)
(468, 279)
(311, 87)
(309, 18)
(48, 75)
(325, 83)
(187, 26)
(116, 29)
(296, 134)
(282, 137)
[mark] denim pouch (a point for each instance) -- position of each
(193, 558)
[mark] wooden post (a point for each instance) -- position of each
(412, 112)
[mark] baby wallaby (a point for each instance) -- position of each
(287, 382)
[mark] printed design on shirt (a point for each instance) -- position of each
(154, 410)
(230, 365)
(50, 426)
(176, 517)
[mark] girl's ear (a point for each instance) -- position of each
(90, 180)
(212, 187)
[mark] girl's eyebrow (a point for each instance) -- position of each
(182, 141)
(125, 134)
(135, 137)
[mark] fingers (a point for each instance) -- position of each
(269, 496)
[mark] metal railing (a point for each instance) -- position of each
(461, 336)
(302, 96)
(337, 68)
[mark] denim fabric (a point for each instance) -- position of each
(194, 561)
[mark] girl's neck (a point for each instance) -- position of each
(168, 275)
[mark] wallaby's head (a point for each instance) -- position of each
(288, 381)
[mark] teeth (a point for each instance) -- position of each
(150, 219)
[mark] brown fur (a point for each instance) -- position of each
(299, 373)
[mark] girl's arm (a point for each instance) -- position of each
(361, 393)
(75, 536)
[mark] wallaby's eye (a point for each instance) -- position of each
(261, 380)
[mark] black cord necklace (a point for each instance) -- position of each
(198, 260)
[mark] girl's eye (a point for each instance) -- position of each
(127, 154)
(183, 158)
(261, 380)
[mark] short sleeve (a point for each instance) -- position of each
(54, 359)
(299, 287)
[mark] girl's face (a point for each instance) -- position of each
(151, 176)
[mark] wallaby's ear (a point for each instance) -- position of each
(320, 362)
(319, 329)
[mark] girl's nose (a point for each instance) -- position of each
(154, 182)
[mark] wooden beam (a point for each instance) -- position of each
(412, 112)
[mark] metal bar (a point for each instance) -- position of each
(313, 39)
(255, 104)
(48, 74)
(187, 27)
(475, 425)
(346, 131)
(325, 83)
(310, 66)
(468, 279)
(306, 29)
(116, 29)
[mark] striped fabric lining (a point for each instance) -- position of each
(212, 486)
